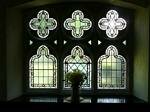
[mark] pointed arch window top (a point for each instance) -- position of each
(77, 55)
(111, 70)
(77, 60)
(111, 50)
(77, 24)
(112, 24)
(43, 69)
(43, 24)
(42, 50)
(77, 50)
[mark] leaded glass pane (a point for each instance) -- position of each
(111, 70)
(77, 60)
(43, 69)
(77, 24)
(43, 24)
(112, 24)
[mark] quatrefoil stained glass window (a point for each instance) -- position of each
(77, 60)
(43, 24)
(112, 24)
(77, 24)
(43, 69)
(111, 70)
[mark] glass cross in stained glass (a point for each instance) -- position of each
(77, 24)
(43, 24)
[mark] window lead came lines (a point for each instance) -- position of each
(112, 66)
(45, 71)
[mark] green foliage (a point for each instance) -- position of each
(76, 77)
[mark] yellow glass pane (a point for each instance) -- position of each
(41, 65)
(104, 81)
(46, 80)
(46, 73)
(36, 73)
(35, 80)
(40, 80)
(35, 65)
(41, 72)
(45, 65)
(50, 73)
(50, 66)
(104, 65)
(114, 66)
(50, 80)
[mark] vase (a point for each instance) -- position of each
(75, 94)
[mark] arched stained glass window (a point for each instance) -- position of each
(77, 60)
(43, 69)
(111, 70)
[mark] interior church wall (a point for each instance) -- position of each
(149, 64)
(14, 53)
(141, 54)
(2, 54)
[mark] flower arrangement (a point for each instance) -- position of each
(76, 77)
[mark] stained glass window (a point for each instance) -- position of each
(77, 60)
(43, 24)
(77, 24)
(111, 70)
(112, 23)
(73, 36)
(43, 69)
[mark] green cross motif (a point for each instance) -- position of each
(77, 24)
(43, 24)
